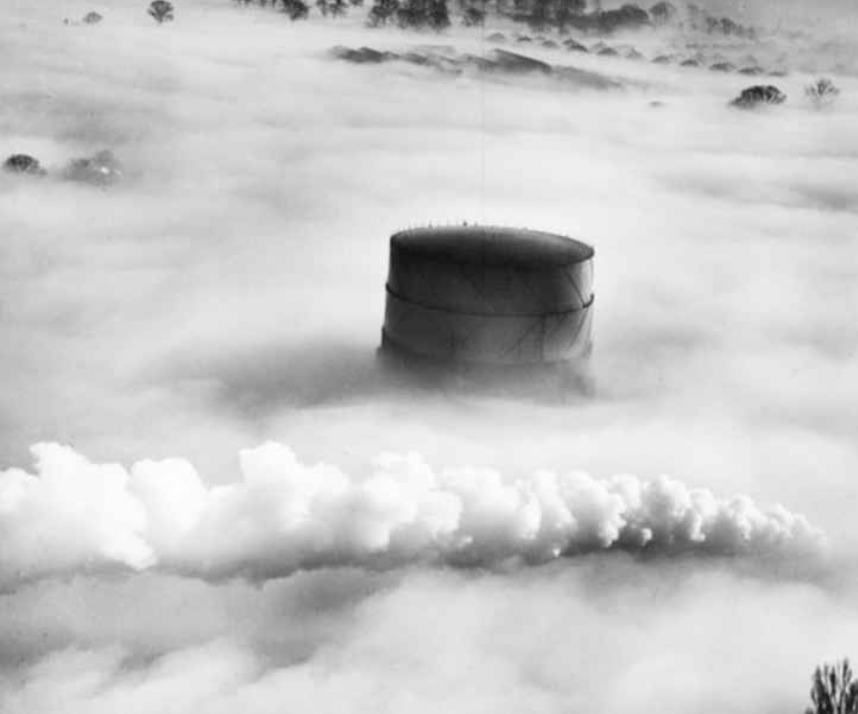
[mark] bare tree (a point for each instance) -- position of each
(834, 691)
(822, 91)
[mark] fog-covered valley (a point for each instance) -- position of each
(676, 537)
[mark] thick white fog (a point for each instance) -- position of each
(213, 498)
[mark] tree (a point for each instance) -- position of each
(566, 9)
(663, 12)
(822, 91)
(296, 9)
(338, 8)
(323, 7)
(382, 12)
(412, 13)
(540, 12)
(834, 691)
(473, 16)
(161, 11)
(438, 15)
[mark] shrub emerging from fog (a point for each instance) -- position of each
(161, 11)
(822, 92)
(101, 169)
(759, 95)
(834, 691)
(23, 164)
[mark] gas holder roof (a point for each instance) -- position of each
(491, 245)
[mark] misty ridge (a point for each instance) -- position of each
(214, 496)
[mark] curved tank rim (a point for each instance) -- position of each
(492, 245)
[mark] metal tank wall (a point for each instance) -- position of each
(494, 296)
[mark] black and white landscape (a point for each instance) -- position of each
(215, 498)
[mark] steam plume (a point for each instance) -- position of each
(282, 516)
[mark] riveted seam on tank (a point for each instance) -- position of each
(456, 311)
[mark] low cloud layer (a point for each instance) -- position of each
(229, 291)
(282, 516)
(585, 635)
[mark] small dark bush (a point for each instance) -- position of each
(23, 164)
(574, 46)
(758, 95)
(161, 11)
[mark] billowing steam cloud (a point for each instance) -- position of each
(283, 516)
